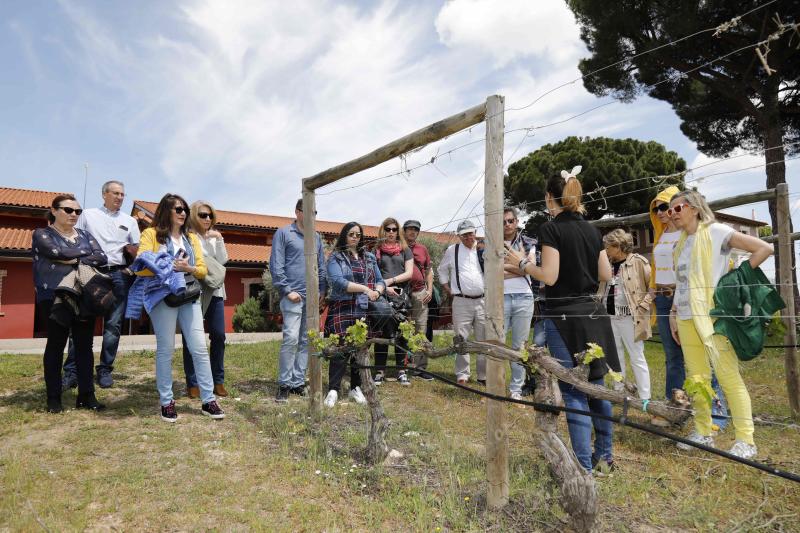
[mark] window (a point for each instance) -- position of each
(635, 235)
(649, 236)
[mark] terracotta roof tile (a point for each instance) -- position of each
(15, 239)
(26, 198)
(248, 253)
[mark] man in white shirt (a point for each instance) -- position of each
(113, 230)
(461, 275)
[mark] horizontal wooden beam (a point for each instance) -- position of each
(774, 238)
(434, 132)
(724, 203)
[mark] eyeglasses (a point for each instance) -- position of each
(660, 207)
(393, 229)
(180, 210)
(204, 215)
(509, 221)
(69, 210)
(677, 209)
(354, 234)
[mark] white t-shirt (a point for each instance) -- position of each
(662, 258)
(520, 284)
(720, 260)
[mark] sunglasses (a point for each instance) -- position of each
(354, 235)
(677, 209)
(204, 215)
(181, 210)
(69, 210)
(660, 207)
(393, 229)
(509, 221)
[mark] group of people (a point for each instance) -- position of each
(96, 263)
(572, 286)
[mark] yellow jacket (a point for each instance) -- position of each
(148, 243)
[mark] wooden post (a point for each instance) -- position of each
(496, 429)
(312, 295)
(787, 293)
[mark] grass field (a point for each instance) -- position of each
(271, 468)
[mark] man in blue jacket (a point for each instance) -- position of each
(288, 268)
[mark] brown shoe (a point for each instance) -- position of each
(219, 390)
(193, 392)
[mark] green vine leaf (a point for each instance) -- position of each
(356, 335)
(616, 376)
(698, 386)
(594, 352)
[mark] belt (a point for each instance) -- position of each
(665, 290)
(111, 268)
(466, 296)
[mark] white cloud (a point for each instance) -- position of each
(510, 29)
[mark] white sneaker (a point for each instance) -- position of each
(402, 379)
(694, 436)
(516, 396)
(741, 449)
(330, 399)
(357, 396)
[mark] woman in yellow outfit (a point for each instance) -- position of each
(701, 258)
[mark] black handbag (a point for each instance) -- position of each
(189, 295)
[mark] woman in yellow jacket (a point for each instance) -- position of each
(168, 233)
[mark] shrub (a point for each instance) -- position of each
(249, 317)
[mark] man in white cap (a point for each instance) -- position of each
(461, 275)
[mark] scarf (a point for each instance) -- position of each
(701, 288)
(390, 249)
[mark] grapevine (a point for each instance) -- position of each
(699, 386)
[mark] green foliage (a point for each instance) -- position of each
(776, 329)
(416, 341)
(616, 376)
(270, 297)
(356, 335)
(724, 104)
(318, 343)
(248, 317)
(697, 386)
(436, 251)
(606, 162)
(595, 351)
(765, 231)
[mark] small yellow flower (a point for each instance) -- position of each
(466, 498)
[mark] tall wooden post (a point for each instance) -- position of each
(312, 294)
(787, 293)
(496, 426)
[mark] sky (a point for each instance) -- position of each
(235, 102)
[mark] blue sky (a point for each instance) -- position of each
(235, 101)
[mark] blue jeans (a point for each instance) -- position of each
(293, 359)
(190, 317)
(580, 426)
(518, 312)
(215, 320)
(112, 326)
(673, 355)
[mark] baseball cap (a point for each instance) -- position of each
(465, 226)
(411, 224)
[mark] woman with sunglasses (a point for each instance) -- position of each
(396, 263)
(574, 263)
(701, 258)
(169, 233)
(202, 219)
(354, 280)
(57, 250)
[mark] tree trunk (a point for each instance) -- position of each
(775, 159)
(379, 424)
(578, 489)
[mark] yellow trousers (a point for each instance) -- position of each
(727, 370)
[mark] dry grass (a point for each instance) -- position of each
(269, 467)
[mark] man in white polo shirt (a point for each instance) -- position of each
(113, 230)
(461, 275)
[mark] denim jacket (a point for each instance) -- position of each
(340, 274)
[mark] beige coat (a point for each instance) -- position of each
(635, 276)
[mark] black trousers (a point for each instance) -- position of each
(337, 368)
(400, 353)
(57, 336)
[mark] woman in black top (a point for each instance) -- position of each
(396, 263)
(574, 261)
(57, 251)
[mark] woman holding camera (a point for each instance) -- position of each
(168, 233)
(396, 263)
